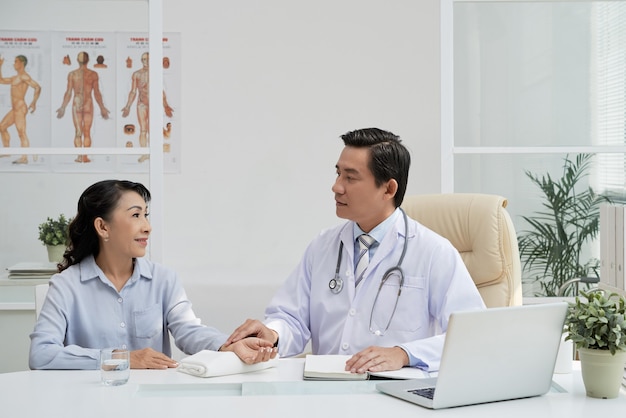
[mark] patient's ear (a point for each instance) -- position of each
(101, 227)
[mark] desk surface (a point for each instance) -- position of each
(275, 392)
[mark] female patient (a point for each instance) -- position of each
(108, 295)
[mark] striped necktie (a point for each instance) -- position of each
(365, 242)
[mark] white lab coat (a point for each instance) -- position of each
(436, 283)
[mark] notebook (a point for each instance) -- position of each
(332, 367)
(490, 355)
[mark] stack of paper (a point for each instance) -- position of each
(32, 270)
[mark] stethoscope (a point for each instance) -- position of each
(336, 283)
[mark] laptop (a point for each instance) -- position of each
(490, 355)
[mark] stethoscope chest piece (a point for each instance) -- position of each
(335, 284)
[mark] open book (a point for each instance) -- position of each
(331, 367)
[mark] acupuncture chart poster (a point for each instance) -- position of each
(83, 99)
(25, 57)
(84, 67)
(132, 99)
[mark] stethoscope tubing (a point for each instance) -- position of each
(336, 283)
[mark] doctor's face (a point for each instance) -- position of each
(357, 197)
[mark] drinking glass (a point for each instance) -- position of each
(114, 366)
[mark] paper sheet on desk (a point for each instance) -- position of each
(208, 363)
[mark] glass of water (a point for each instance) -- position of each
(114, 366)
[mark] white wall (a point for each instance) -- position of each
(267, 88)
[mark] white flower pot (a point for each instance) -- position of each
(55, 253)
(602, 372)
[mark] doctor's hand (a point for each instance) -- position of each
(252, 350)
(252, 328)
(377, 359)
(148, 358)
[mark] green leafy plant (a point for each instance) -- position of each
(55, 231)
(569, 219)
(597, 321)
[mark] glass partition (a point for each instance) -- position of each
(531, 83)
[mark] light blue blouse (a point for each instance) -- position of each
(83, 313)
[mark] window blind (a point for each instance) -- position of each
(609, 95)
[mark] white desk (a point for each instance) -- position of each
(277, 392)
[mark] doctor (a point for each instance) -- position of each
(395, 313)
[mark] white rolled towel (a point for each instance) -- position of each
(208, 363)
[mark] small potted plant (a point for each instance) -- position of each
(54, 234)
(596, 323)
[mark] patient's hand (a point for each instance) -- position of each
(147, 358)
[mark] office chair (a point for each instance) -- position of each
(480, 228)
(41, 290)
(575, 283)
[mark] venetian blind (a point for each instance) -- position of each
(609, 94)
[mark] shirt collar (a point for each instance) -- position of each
(379, 231)
(90, 270)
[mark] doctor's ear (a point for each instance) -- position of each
(391, 189)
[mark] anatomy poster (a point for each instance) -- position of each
(83, 91)
(83, 99)
(24, 98)
(133, 85)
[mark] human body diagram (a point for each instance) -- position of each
(140, 89)
(83, 84)
(19, 109)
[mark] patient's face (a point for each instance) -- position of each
(129, 227)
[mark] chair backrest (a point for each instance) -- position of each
(40, 296)
(480, 228)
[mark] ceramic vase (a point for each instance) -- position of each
(602, 372)
(55, 253)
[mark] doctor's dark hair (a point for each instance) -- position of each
(389, 159)
(98, 201)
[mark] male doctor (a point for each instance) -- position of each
(396, 312)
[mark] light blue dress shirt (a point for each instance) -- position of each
(378, 233)
(84, 313)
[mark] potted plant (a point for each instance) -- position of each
(596, 323)
(551, 250)
(54, 234)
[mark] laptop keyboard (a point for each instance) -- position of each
(425, 392)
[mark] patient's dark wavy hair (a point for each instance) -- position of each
(98, 201)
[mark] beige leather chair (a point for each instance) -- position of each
(481, 229)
